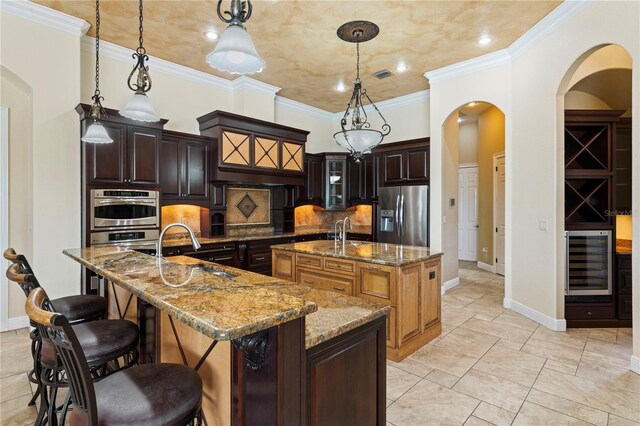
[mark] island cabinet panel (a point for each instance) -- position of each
(325, 281)
(409, 302)
(377, 282)
(340, 266)
(391, 328)
(431, 294)
(309, 261)
(283, 265)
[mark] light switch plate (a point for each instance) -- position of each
(542, 225)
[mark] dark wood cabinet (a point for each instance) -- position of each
(184, 165)
(254, 151)
(361, 186)
(312, 192)
(622, 195)
(132, 159)
(404, 163)
(623, 284)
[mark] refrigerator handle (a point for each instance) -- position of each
(401, 215)
(397, 215)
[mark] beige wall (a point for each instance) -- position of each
(16, 95)
(490, 142)
(450, 190)
(468, 135)
(576, 99)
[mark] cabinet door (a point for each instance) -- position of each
(292, 155)
(418, 166)
(409, 301)
(368, 179)
(335, 198)
(289, 196)
(376, 283)
(430, 294)
(393, 165)
(195, 170)
(234, 149)
(106, 162)
(266, 153)
(170, 165)
(143, 156)
(283, 265)
(315, 179)
(354, 178)
(329, 282)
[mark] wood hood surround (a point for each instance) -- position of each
(249, 150)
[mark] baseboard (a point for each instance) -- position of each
(532, 314)
(487, 267)
(450, 284)
(17, 322)
(635, 364)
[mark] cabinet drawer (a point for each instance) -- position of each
(283, 265)
(340, 266)
(590, 312)
(391, 328)
(624, 307)
(337, 284)
(624, 261)
(257, 259)
(376, 283)
(309, 261)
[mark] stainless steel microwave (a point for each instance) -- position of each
(113, 209)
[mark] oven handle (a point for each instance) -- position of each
(130, 245)
(127, 201)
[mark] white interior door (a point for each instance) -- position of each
(468, 213)
(499, 213)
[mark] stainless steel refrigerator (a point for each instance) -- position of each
(403, 215)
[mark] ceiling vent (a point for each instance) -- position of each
(382, 74)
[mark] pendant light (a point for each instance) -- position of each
(139, 106)
(360, 138)
(235, 52)
(96, 133)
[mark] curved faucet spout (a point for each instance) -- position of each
(194, 240)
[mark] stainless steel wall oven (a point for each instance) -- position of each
(113, 209)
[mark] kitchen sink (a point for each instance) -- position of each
(222, 274)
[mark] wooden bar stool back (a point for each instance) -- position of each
(145, 394)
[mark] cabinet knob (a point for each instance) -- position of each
(335, 287)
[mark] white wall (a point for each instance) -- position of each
(450, 154)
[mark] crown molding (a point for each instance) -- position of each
(244, 82)
(307, 109)
(547, 25)
(45, 16)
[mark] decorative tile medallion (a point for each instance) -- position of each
(246, 206)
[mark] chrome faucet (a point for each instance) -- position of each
(337, 235)
(194, 240)
(344, 231)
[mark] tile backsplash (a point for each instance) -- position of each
(181, 213)
(313, 216)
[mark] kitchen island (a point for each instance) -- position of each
(269, 351)
(407, 278)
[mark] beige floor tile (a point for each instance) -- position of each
(475, 421)
(484, 307)
(570, 408)
(532, 414)
(398, 382)
(445, 360)
(516, 320)
(610, 371)
(512, 365)
(613, 350)
(16, 412)
(455, 317)
(464, 345)
(498, 330)
(606, 334)
(15, 360)
(14, 386)
(411, 366)
(555, 351)
(495, 415)
(389, 402)
(475, 335)
(624, 338)
(442, 378)
(590, 393)
(562, 367)
(493, 390)
(619, 421)
(428, 403)
(508, 344)
(485, 317)
(573, 340)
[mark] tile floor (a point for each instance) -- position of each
(489, 366)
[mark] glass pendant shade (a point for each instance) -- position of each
(139, 108)
(96, 133)
(235, 53)
(358, 140)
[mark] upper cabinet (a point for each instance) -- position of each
(184, 168)
(133, 158)
(312, 192)
(336, 182)
(404, 163)
(254, 151)
(362, 187)
(623, 165)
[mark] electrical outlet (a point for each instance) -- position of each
(444, 219)
(542, 225)
(485, 249)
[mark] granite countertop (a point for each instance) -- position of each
(380, 253)
(227, 308)
(184, 240)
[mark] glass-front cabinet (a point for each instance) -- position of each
(336, 172)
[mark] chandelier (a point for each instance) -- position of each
(139, 106)
(359, 138)
(96, 133)
(235, 52)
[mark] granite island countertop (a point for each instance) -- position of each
(380, 253)
(182, 239)
(227, 308)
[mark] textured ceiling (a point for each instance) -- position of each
(298, 41)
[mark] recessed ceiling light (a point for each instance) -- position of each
(459, 119)
(211, 35)
(341, 87)
(471, 104)
(484, 40)
(402, 67)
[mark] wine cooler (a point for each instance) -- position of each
(588, 258)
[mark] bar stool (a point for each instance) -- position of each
(158, 394)
(76, 308)
(103, 342)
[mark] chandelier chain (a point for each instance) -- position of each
(140, 48)
(358, 61)
(97, 91)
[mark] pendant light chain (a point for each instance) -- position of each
(358, 61)
(96, 93)
(141, 48)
